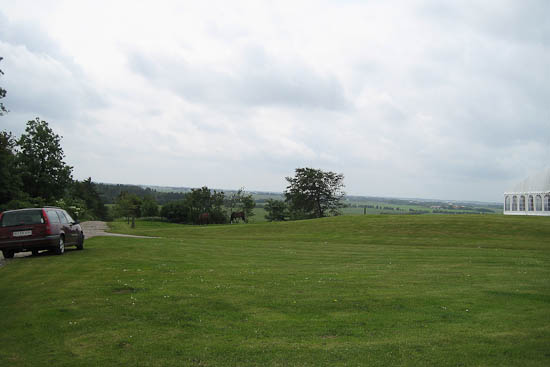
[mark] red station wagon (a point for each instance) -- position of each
(37, 229)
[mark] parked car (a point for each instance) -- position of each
(36, 229)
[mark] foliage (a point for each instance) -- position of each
(240, 202)
(204, 200)
(75, 206)
(33, 173)
(247, 205)
(10, 180)
(176, 211)
(34, 157)
(86, 191)
(313, 193)
(110, 192)
(128, 206)
(82, 201)
(3, 93)
(40, 161)
(22, 201)
(195, 203)
(277, 210)
(149, 207)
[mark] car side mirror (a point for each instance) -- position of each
(76, 222)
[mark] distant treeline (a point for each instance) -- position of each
(109, 193)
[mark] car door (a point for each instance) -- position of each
(73, 227)
(67, 227)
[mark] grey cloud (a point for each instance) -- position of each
(524, 21)
(39, 78)
(517, 21)
(40, 85)
(29, 35)
(263, 81)
(299, 88)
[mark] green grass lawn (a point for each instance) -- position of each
(343, 291)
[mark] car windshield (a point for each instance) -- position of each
(23, 217)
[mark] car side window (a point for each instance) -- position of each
(62, 217)
(52, 216)
(69, 218)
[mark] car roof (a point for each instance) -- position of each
(41, 208)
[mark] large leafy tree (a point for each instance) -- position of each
(313, 193)
(3, 92)
(10, 182)
(41, 162)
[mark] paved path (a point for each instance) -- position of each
(97, 228)
(91, 229)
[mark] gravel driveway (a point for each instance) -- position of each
(91, 229)
(97, 228)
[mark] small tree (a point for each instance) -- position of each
(313, 193)
(204, 200)
(248, 204)
(128, 206)
(149, 207)
(276, 210)
(239, 201)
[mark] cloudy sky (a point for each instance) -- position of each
(432, 99)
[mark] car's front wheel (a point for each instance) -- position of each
(8, 254)
(60, 249)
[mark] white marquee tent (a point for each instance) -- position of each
(529, 197)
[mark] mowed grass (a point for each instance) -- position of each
(344, 291)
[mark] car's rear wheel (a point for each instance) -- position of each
(8, 254)
(80, 242)
(60, 249)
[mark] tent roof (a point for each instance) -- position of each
(537, 182)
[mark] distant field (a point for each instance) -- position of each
(374, 290)
(259, 215)
(402, 206)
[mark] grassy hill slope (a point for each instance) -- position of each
(368, 290)
(512, 232)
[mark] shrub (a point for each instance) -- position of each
(276, 210)
(176, 211)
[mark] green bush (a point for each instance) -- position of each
(176, 211)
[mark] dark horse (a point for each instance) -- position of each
(237, 215)
(204, 218)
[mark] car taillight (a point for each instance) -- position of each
(47, 222)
